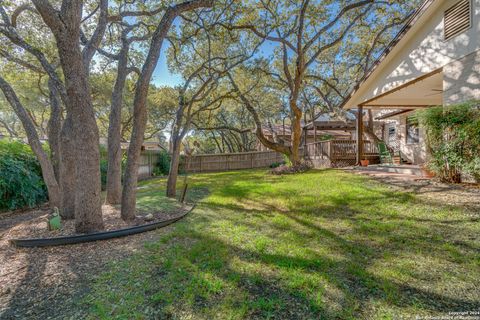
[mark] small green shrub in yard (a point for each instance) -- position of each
(453, 140)
(21, 183)
(162, 167)
(277, 164)
(287, 161)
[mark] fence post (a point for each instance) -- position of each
(200, 158)
(251, 160)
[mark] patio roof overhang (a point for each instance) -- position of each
(421, 92)
(331, 125)
(393, 114)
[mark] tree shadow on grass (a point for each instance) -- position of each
(243, 255)
(402, 236)
(264, 291)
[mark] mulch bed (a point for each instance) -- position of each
(47, 283)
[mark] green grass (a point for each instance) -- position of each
(320, 245)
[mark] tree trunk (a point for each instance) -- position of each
(67, 170)
(48, 173)
(114, 171)
(174, 164)
(65, 26)
(54, 128)
(88, 211)
(140, 116)
(296, 134)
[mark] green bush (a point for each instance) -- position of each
(286, 160)
(453, 140)
(162, 167)
(21, 182)
(277, 164)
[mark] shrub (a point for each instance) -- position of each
(277, 164)
(289, 169)
(286, 160)
(21, 183)
(453, 140)
(162, 167)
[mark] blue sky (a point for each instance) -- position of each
(162, 76)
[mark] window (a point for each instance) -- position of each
(392, 134)
(413, 135)
(457, 19)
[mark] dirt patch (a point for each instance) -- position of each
(47, 283)
(465, 195)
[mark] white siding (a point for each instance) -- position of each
(421, 51)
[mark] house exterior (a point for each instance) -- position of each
(435, 60)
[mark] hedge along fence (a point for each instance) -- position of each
(453, 140)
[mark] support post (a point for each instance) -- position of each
(359, 134)
(305, 133)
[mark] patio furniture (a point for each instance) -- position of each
(385, 156)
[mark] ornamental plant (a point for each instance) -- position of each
(453, 140)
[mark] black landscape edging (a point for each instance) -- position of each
(58, 241)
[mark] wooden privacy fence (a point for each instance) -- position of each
(231, 161)
(323, 154)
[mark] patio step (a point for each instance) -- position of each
(400, 169)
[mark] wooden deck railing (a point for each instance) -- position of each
(339, 153)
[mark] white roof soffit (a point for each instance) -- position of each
(423, 12)
(420, 93)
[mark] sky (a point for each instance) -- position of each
(162, 76)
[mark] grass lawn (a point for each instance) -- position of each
(321, 245)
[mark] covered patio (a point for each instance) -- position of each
(400, 103)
